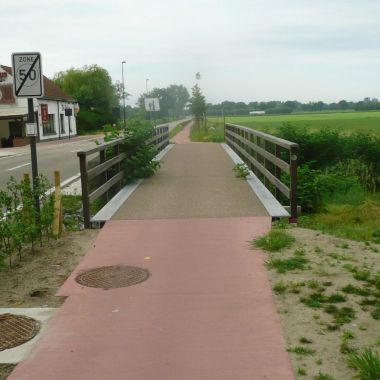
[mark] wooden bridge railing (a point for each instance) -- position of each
(267, 156)
(106, 172)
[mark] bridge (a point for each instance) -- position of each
(201, 306)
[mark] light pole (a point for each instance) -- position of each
(122, 77)
(146, 85)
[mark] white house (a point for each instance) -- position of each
(257, 113)
(51, 113)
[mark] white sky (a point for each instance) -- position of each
(245, 50)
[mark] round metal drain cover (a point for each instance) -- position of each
(16, 330)
(118, 276)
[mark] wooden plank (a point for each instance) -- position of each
(100, 147)
(102, 189)
(269, 156)
(271, 178)
(105, 165)
(284, 143)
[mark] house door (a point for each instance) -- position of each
(15, 128)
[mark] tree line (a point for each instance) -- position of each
(230, 108)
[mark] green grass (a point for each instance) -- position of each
(299, 350)
(359, 222)
(284, 265)
(366, 363)
(323, 376)
(178, 128)
(274, 241)
(346, 122)
(213, 132)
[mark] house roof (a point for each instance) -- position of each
(52, 91)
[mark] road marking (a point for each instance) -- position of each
(17, 167)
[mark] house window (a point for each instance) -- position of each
(48, 128)
(62, 117)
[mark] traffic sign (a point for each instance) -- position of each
(27, 75)
(31, 129)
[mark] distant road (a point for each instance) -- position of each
(55, 155)
(52, 155)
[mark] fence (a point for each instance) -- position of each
(268, 157)
(106, 173)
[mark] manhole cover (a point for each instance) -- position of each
(117, 276)
(16, 330)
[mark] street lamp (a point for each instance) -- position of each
(122, 77)
(146, 85)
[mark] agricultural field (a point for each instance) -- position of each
(345, 122)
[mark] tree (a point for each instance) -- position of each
(90, 85)
(197, 102)
(173, 100)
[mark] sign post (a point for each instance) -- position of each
(69, 113)
(28, 83)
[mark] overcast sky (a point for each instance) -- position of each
(245, 50)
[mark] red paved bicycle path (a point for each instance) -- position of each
(206, 312)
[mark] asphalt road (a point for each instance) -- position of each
(55, 155)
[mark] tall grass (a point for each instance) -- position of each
(207, 132)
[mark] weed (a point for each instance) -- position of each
(280, 288)
(319, 362)
(313, 284)
(299, 252)
(352, 289)
(281, 224)
(327, 283)
(345, 348)
(305, 340)
(318, 249)
(376, 314)
(299, 350)
(323, 376)
(336, 298)
(366, 363)
(274, 241)
(301, 372)
(362, 275)
(284, 265)
(341, 315)
(241, 170)
(314, 300)
(348, 335)
(370, 302)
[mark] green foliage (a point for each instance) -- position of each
(352, 289)
(140, 161)
(197, 102)
(300, 350)
(323, 376)
(20, 222)
(173, 100)
(207, 132)
(274, 241)
(366, 363)
(284, 265)
(241, 170)
(92, 87)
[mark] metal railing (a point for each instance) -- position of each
(268, 157)
(106, 173)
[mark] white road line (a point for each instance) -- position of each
(17, 167)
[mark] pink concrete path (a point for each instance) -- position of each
(206, 312)
(183, 137)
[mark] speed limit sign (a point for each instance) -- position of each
(27, 75)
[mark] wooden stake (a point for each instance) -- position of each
(57, 224)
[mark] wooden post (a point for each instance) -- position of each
(102, 158)
(116, 151)
(57, 224)
(293, 184)
(85, 192)
(277, 170)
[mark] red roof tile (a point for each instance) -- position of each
(52, 91)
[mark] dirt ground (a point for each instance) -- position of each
(329, 268)
(34, 281)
